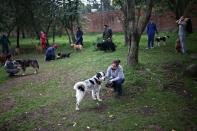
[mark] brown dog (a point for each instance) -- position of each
(39, 48)
(78, 47)
(178, 46)
(3, 58)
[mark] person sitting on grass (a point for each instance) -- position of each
(11, 66)
(50, 53)
(116, 76)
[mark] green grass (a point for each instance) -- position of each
(46, 101)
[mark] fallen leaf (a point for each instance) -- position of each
(74, 124)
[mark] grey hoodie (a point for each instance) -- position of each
(115, 74)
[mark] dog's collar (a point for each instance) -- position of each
(97, 81)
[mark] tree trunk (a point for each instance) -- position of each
(126, 33)
(18, 37)
(69, 39)
(23, 34)
(9, 31)
(54, 34)
(133, 47)
(72, 35)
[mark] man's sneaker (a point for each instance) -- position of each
(147, 48)
(152, 47)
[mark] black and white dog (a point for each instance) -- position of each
(92, 84)
(62, 55)
(161, 39)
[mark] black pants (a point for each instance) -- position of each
(49, 57)
(118, 86)
(5, 49)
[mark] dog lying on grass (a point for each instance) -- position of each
(106, 46)
(62, 55)
(27, 63)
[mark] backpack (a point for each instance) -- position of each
(189, 26)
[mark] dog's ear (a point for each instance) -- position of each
(98, 75)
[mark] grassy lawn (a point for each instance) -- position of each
(157, 96)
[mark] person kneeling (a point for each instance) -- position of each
(11, 66)
(116, 76)
(50, 53)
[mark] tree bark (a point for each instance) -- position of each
(133, 48)
(69, 39)
(134, 28)
(18, 37)
(54, 34)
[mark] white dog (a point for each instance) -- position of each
(93, 84)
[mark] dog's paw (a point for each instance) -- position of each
(77, 109)
(23, 74)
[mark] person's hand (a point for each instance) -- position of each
(110, 82)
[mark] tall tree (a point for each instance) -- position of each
(179, 7)
(136, 14)
(70, 17)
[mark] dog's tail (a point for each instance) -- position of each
(80, 86)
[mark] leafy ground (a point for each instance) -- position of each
(157, 96)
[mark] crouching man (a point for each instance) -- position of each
(116, 76)
(11, 66)
(50, 53)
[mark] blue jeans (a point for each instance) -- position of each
(182, 42)
(151, 38)
(118, 86)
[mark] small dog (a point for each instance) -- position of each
(93, 84)
(62, 55)
(39, 48)
(3, 59)
(106, 46)
(161, 39)
(78, 47)
(178, 46)
(26, 63)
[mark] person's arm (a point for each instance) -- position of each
(108, 73)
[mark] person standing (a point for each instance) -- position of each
(107, 33)
(5, 44)
(79, 36)
(151, 29)
(43, 40)
(182, 33)
(116, 76)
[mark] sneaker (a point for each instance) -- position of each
(147, 48)
(152, 47)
